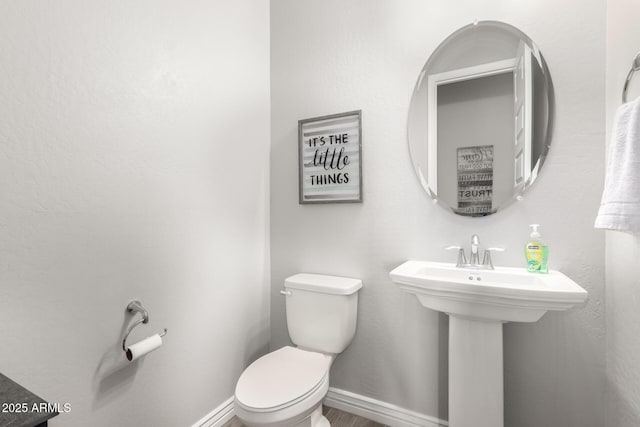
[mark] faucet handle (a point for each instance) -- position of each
(486, 259)
(462, 259)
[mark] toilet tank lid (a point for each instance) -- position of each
(324, 284)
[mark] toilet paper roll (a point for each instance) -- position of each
(143, 347)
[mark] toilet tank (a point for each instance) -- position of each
(321, 311)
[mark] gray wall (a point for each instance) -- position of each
(623, 250)
(134, 146)
(334, 56)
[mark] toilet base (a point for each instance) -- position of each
(317, 419)
(314, 419)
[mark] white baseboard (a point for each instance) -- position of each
(376, 410)
(219, 416)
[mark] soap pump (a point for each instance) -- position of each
(536, 252)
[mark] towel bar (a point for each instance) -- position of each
(635, 66)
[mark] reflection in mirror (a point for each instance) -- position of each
(479, 122)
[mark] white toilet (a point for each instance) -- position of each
(286, 387)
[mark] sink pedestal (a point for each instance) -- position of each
(476, 397)
(478, 302)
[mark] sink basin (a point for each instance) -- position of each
(504, 294)
(478, 302)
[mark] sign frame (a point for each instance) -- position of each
(339, 120)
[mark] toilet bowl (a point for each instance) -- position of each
(286, 387)
(283, 388)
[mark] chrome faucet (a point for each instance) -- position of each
(474, 258)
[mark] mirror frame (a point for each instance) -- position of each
(429, 177)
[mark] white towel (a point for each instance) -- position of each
(620, 205)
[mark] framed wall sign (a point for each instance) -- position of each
(475, 180)
(330, 163)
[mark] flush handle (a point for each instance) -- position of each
(285, 293)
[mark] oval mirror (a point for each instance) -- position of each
(480, 118)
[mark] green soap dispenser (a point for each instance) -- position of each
(536, 252)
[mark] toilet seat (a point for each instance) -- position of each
(282, 379)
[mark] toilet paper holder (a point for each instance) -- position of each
(134, 307)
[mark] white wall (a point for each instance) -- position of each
(134, 144)
(333, 56)
(622, 250)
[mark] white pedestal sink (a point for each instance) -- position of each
(478, 302)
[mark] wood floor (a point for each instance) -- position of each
(336, 417)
